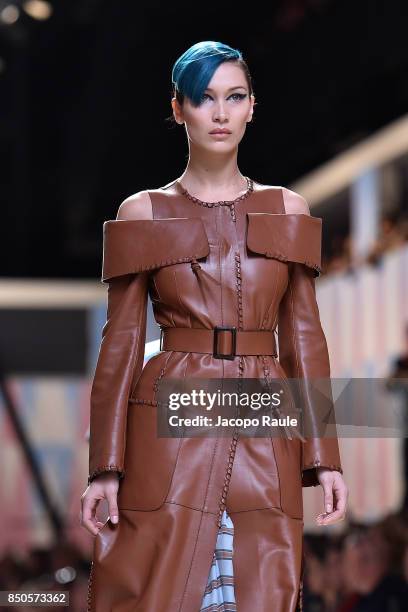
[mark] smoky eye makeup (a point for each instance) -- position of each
(237, 95)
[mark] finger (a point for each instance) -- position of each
(340, 494)
(328, 519)
(89, 520)
(328, 496)
(113, 506)
(341, 499)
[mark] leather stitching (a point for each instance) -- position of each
(234, 440)
(106, 468)
(285, 258)
(158, 264)
(89, 593)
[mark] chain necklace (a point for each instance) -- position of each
(220, 202)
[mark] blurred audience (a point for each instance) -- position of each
(61, 568)
(393, 233)
(397, 381)
(363, 569)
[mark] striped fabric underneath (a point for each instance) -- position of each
(219, 593)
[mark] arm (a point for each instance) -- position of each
(119, 365)
(121, 354)
(303, 349)
(134, 246)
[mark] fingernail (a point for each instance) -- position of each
(328, 507)
(114, 519)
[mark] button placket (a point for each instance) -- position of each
(235, 436)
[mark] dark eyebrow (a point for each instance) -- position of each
(236, 87)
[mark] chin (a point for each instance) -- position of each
(221, 145)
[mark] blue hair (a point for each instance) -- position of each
(194, 69)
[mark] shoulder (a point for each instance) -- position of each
(136, 206)
(294, 202)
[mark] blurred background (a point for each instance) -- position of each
(85, 89)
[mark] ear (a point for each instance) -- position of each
(177, 111)
(251, 110)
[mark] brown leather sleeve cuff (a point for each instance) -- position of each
(105, 468)
(309, 474)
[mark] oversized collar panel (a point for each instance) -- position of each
(287, 236)
(132, 246)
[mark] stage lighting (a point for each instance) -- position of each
(38, 9)
(9, 14)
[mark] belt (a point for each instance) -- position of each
(223, 342)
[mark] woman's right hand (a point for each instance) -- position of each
(104, 486)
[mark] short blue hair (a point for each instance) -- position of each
(194, 69)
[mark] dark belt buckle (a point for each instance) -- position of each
(233, 330)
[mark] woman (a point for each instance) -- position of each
(225, 261)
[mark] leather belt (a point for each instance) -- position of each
(223, 342)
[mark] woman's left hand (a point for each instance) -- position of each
(335, 496)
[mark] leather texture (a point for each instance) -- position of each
(250, 265)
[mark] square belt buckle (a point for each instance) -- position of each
(233, 330)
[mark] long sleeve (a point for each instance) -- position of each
(303, 353)
(132, 250)
(119, 364)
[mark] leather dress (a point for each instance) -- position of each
(245, 264)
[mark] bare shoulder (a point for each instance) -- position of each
(136, 206)
(294, 202)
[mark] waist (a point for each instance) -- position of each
(223, 342)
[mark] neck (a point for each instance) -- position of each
(213, 176)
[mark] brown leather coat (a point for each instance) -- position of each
(249, 265)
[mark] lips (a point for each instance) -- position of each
(220, 132)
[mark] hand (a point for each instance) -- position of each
(335, 496)
(105, 486)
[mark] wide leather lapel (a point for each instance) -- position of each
(287, 237)
(131, 246)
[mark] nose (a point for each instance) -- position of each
(220, 113)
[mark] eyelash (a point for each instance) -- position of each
(240, 96)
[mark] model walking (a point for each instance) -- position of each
(210, 523)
